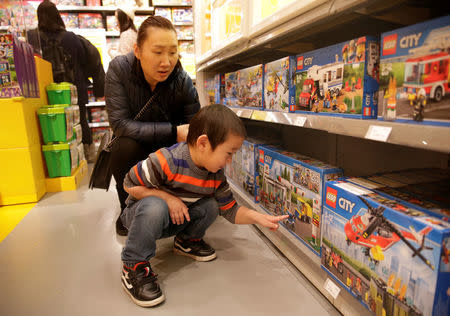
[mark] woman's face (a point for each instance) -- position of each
(158, 54)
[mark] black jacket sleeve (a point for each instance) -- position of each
(119, 101)
(189, 98)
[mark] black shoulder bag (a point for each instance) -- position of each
(101, 173)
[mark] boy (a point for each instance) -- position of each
(180, 191)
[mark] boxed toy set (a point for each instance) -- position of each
(210, 90)
(219, 88)
(392, 258)
(415, 72)
(293, 184)
(339, 79)
(17, 68)
(276, 85)
(244, 88)
(243, 170)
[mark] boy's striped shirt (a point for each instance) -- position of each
(173, 171)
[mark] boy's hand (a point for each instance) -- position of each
(177, 210)
(270, 221)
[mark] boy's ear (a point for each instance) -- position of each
(203, 142)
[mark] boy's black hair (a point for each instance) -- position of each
(215, 121)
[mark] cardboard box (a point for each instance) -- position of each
(394, 262)
(219, 88)
(415, 72)
(276, 85)
(293, 184)
(341, 79)
(244, 88)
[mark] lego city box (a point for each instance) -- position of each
(391, 257)
(243, 170)
(293, 184)
(414, 73)
(244, 88)
(341, 79)
(276, 85)
(219, 88)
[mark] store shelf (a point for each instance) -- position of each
(183, 23)
(75, 8)
(95, 104)
(99, 124)
(112, 33)
(303, 259)
(4, 28)
(326, 24)
(416, 135)
(168, 5)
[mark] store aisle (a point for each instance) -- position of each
(63, 258)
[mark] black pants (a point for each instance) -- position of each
(86, 130)
(125, 154)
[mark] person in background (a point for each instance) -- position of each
(51, 27)
(128, 32)
(179, 191)
(153, 67)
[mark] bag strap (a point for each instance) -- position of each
(138, 116)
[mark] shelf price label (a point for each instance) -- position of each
(259, 115)
(379, 133)
(239, 113)
(332, 288)
(299, 121)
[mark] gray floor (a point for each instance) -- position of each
(64, 259)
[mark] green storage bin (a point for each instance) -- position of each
(53, 124)
(57, 159)
(59, 93)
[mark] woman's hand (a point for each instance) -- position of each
(177, 209)
(182, 131)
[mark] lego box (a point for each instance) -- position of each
(340, 79)
(292, 184)
(414, 73)
(219, 88)
(244, 88)
(276, 85)
(393, 258)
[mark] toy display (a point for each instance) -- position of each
(244, 87)
(185, 32)
(70, 19)
(293, 184)
(340, 79)
(69, 2)
(209, 88)
(219, 88)
(387, 255)
(99, 115)
(164, 12)
(182, 15)
(276, 85)
(90, 20)
(415, 72)
(186, 48)
(111, 23)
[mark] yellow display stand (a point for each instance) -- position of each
(22, 177)
(67, 183)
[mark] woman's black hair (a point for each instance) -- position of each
(215, 121)
(49, 18)
(125, 22)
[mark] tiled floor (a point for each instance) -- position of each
(63, 258)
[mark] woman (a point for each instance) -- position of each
(131, 80)
(51, 27)
(128, 32)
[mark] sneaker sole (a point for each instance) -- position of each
(151, 303)
(198, 258)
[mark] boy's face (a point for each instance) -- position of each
(216, 159)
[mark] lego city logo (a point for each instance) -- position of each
(390, 45)
(331, 197)
(346, 204)
(268, 159)
(300, 63)
(410, 40)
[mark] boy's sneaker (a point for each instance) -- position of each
(140, 283)
(197, 249)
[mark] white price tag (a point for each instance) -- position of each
(332, 288)
(239, 113)
(379, 133)
(299, 121)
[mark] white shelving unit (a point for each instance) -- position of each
(360, 147)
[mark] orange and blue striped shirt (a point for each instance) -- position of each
(173, 171)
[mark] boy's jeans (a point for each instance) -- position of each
(148, 220)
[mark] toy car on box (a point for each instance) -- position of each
(244, 88)
(292, 184)
(339, 79)
(276, 85)
(415, 72)
(394, 261)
